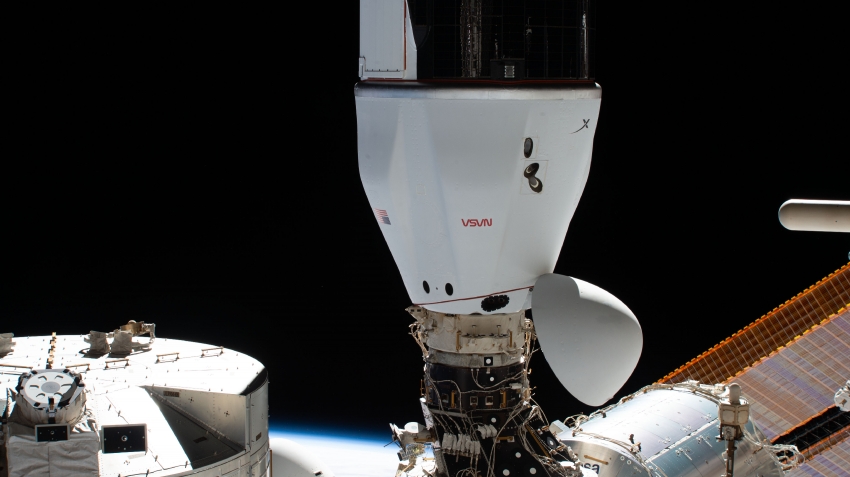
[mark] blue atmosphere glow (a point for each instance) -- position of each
(346, 453)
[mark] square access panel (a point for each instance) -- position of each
(52, 432)
(124, 438)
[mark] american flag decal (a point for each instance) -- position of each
(382, 216)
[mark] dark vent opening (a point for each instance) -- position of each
(495, 302)
(831, 422)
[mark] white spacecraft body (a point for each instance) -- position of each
(474, 186)
(667, 430)
(815, 215)
(444, 169)
(167, 408)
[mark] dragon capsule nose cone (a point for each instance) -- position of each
(590, 338)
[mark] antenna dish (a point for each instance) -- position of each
(590, 338)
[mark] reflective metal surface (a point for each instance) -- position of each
(664, 433)
(205, 408)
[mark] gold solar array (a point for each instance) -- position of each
(790, 387)
(769, 333)
(790, 362)
(830, 456)
(838, 441)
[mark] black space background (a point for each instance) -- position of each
(197, 168)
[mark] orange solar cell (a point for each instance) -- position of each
(789, 363)
(769, 333)
(798, 382)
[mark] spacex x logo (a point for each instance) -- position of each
(584, 126)
(477, 222)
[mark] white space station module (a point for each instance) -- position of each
(816, 215)
(124, 404)
(475, 137)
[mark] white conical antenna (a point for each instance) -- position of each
(591, 339)
(816, 215)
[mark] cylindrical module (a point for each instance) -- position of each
(669, 430)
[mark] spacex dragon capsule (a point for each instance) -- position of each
(473, 176)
